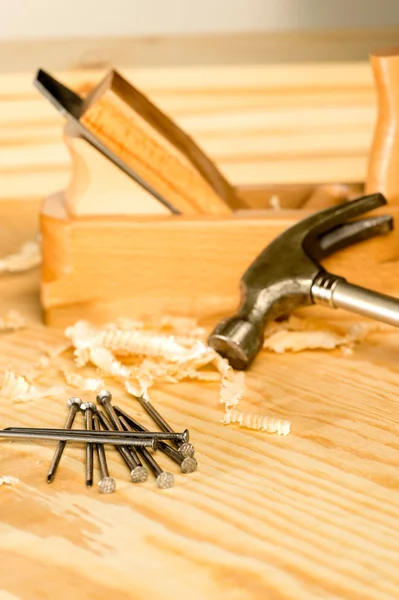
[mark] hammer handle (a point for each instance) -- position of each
(341, 294)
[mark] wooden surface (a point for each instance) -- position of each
(310, 516)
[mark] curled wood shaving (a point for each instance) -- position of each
(12, 321)
(183, 326)
(137, 342)
(86, 384)
(296, 335)
(232, 389)
(8, 480)
(107, 363)
(139, 387)
(296, 341)
(28, 257)
(17, 389)
(258, 422)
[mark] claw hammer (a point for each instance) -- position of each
(288, 275)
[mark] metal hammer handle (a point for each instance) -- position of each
(335, 292)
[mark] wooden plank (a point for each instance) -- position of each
(311, 515)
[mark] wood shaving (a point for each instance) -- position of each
(8, 480)
(296, 341)
(12, 321)
(258, 422)
(296, 335)
(137, 342)
(86, 384)
(232, 389)
(139, 387)
(183, 326)
(17, 389)
(28, 257)
(107, 363)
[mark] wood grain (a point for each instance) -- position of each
(382, 173)
(156, 149)
(180, 265)
(310, 516)
(313, 515)
(322, 116)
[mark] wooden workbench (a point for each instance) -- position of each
(311, 515)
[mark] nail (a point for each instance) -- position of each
(147, 435)
(183, 445)
(163, 478)
(138, 473)
(73, 405)
(71, 436)
(106, 485)
(89, 409)
(188, 464)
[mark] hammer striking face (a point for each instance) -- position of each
(288, 275)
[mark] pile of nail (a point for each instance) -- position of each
(115, 427)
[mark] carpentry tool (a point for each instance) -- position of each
(185, 448)
(124, 126)
(106, 485)
(287, 275)
(73, 405)
(187, 464)
(164, 479)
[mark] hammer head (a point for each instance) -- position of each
(281, 277)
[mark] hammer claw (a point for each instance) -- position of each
(325, 220)
(351, 233)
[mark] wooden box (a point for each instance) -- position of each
(98, 265)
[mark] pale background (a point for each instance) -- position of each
(44, 19)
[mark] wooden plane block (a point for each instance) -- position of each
(98, 187)
(156, 149)
(175, 265)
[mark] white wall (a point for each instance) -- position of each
(33, 19)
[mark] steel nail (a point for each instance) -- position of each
(89, 409)
(184, 446)
(106, 485)
(188, 464)
(73, 405)
(138, 473)
(163, 478)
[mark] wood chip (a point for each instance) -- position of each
(17, 389)
(12, 321)
(28, 257)
(8, 480)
